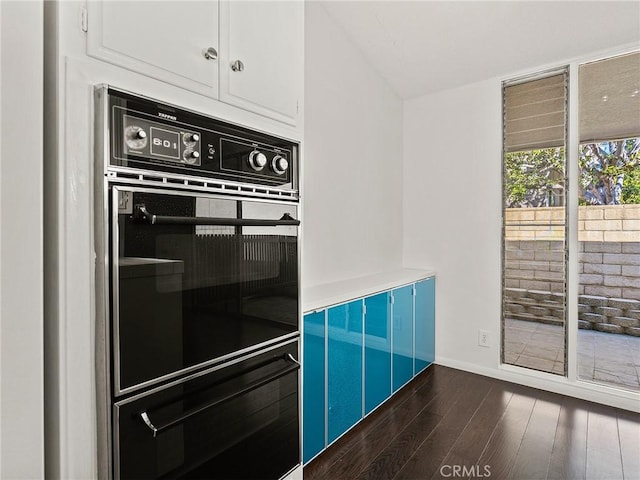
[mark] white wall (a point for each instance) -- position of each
(452, 190)
(21, 278)
(352, 159)
(452, 222)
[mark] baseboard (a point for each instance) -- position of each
(591, 392)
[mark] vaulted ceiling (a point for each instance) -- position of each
(420, 47)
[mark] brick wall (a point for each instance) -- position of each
(609, 266)
(598, 223)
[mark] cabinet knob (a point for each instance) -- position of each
(237, 66)
(210, 53)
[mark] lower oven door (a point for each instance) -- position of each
(197, 279)
(236, 422)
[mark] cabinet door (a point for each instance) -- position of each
(161, 39)
(402, 335)
(267, 37)
(344, 361)
(313, 397)
(377, 350)
(425, 323)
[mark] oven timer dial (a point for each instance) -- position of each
(190, 156)
(190, 139)
(279, 164)
(135, 137)
(257, 160)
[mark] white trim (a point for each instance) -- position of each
(553, 383)
(593, 391)
(572, 276)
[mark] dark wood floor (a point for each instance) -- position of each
(452, 424)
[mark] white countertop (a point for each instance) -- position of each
(327, 294)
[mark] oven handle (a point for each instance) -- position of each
(201, 408)
(141, 214)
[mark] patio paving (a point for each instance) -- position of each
(602, 357)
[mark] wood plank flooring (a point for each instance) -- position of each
(452, 424)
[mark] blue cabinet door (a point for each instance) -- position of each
(402, 336)
(425, 323)
(377, 350)
(344, 360)
(313, 398)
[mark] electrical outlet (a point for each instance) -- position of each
(483, 338)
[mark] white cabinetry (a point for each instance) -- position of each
(267, 37)
(167, 40)
(164, 40)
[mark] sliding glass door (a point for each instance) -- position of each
(604, 226)
(609, 221)
(534, 223)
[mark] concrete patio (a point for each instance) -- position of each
(602, 357)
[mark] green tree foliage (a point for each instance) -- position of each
(534, 178)
(609, 175)
(610, 172)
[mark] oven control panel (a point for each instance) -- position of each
(146, 139)
(152, 136)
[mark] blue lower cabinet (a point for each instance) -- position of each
(344, 367)
(377, 350)
(313, 440)
(402, 336)
(357, 354)
(425, 318)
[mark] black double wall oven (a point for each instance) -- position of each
(198, 294)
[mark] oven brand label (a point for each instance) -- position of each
(166, 115)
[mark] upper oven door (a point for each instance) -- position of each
(197, 279)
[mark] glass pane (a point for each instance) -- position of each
(189, 292)
(314, 385)
(402, 336)
(534, 242)
(609, 224)
(377, 350)
(425, 324)
(344, 384)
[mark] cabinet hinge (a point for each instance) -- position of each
(84, 19)
(391, 299)
(413, 290)
(364, 309)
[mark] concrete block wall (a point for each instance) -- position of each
(610, 269)
(534, 305)
(609, 266)
(611, 315)
(535, 265)
(605, 314)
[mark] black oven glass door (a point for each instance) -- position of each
(237, 422)
(197, 279)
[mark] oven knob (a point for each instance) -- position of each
(135, 137)
(190, 156)
(257, 160)
(279, 164)
(191, 138)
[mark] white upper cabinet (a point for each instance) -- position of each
(164, 40)
(261, 46)
(256, 48)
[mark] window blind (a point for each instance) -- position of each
(535, 113)
(609, 99)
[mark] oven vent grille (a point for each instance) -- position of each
(200, 184)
